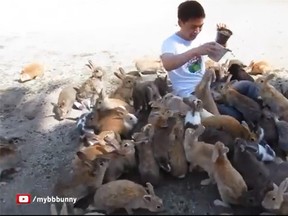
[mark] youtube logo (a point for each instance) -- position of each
(23, 198)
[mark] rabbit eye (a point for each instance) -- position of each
(125, 145)
(273, 198)
(129, 81)
(252, 139)
(131, 118)
(101, 164)
(158, 207)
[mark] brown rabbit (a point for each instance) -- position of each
(66, 99)
(276, 200)
(230, 125)
(118, 120)
(103, 103)
(172, 102)
(203, 92)
(31, 71)
(177, 159)
(249, 108)
(259, 67)
(121, 161)
(126, 194)
(90, 177)
(198, 153)
(147, 166)
(90, 153)
(160, 138)
(230, 183)
(149, 64)
(271, 97)
(97, 71)
(124, 91)
(9, 157)
(105, 137)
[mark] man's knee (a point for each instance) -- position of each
(231, 111)
(247, 88)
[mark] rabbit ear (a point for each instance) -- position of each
(228, 78)
(118, 75)
(64, 210)
(53, 209)
(283, 186)
(122, 71)
(269, 77)
(215, 155)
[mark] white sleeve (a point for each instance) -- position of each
(168, 47)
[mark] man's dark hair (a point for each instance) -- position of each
(190, 10)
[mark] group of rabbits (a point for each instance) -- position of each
(142, 128)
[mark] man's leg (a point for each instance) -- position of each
(231, 111)
(247, 88)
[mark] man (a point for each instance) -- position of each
(183, 57)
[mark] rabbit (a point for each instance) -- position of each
(66, 99)
(124, 91)
(278, 170)
(109, 139)
(126, 194)
(253, 171)
(81, 181)
(10, 158)
(118, 120)
(198, 153)
(143, 93)
(282, 129)
(177, 160)
(160, 138)
(162, 84)
(103, 103)
(121, 160)
(175, 103)
(249, 108)
(91, 153)
(97, 71)
(81, 126)
(276, 200)
(230, 183)
(272, 98)
(230, 125)
(193, 116)
(202, 92)
(267, 122)
(212, 135)
(238, 73)
(148, 167)
(259, 67)
(146, 64)
(31, 71)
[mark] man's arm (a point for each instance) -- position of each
(171, 61)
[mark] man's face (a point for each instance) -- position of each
(191, 28)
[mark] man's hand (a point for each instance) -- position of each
(221, 26)
(206, 49)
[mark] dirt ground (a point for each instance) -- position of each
(64, 35)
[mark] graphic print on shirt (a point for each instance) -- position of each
(194, 65)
